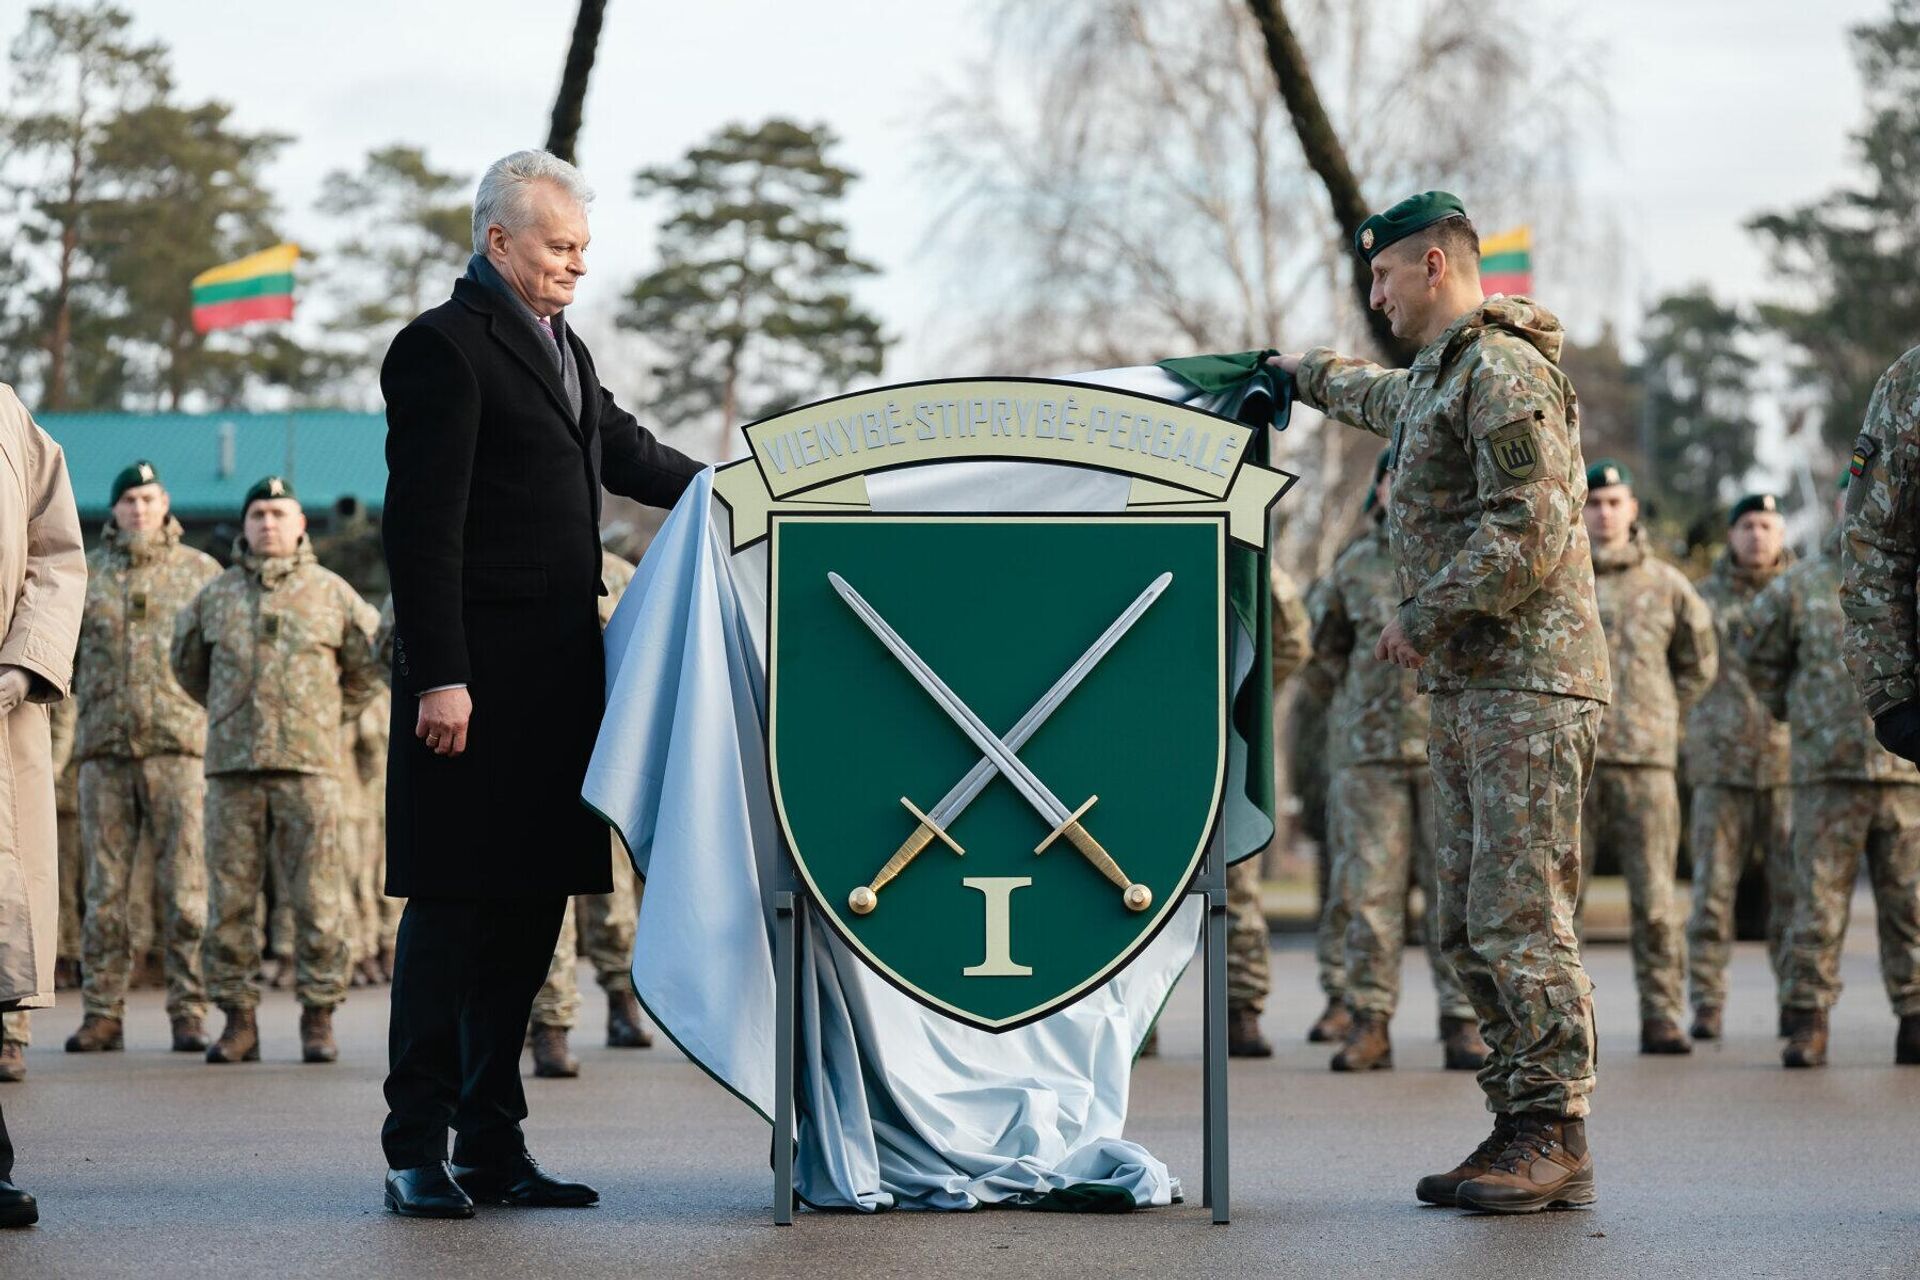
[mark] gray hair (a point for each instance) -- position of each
(502, 197)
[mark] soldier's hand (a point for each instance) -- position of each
(14, 687)
(443, 719)
(1898, 729)
(1287, 362)
(1394, 647)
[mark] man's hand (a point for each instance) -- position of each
(1394, 647)
(444, 714)
(1898, 729)
(15, 684)
(1288, 363)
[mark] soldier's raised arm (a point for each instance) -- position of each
(192, 654)
(1693, 655)
(1880, 555)
(1357, 392)
(1768, 650)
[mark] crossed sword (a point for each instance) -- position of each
(999, 754)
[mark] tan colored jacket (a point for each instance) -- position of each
(43, 588)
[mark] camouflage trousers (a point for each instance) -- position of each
(124, 804)
(1732, 828)
(1509, 771)
(1634, 811)
(1248, 942)
(363, 857)
(289, 821)
(1330, 932)
(602, 925)
(16, 1027)
(1380, 821)
(1834, 824)
(73, 885)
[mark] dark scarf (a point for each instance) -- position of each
(483, 272)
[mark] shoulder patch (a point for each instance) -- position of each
(1863, 450)
(1515, 450)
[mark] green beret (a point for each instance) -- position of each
(1410, 215)
(1753, 502)
(1606, 473)
(139, 473)
(271, 487)
(1379, 473)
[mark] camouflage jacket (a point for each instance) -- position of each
(1290, 649)
(1660, 647)
(363, 758)
(1794, 664)
(1881, 546)
(280, 652)
(1732, 741)
(1484, 518)
(130, 705)
(1377, 714)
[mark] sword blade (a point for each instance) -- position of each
(955, 802)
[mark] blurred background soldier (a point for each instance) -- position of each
(1380, 804)
(140, 743)
(1851, 796)
(281, 652)
(1661, 649)
(363, 777)
(1737, 764)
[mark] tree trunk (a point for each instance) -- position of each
(563, 133)
(1325, 156)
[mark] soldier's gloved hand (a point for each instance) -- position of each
(15, 684)
(1898, 729)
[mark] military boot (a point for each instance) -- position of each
(1806, 1038)
(1243, 1035)
(98, 1034)
(1663, 1036)
(1440, 1188)
(239, 1041)
(316, 1035)
(551, 1059)
(1906, 1044)
(1333, 1022)
(1546, 1166)
(13, 1062)
(1367, 1048)
(1709, 1022)
(189, 1034)
(626, 1028)
(1460, 1039)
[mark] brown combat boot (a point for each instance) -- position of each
(1806, 1038)
(1243, 1035)
(316, 1035)
(551, 1059)
(1906, 1043)
(1663, 1036)
(1709, 1022)
(239, 1041)
(98, 1034)
(626, 1028)
(189, 1034)
(1440, 1188)
(1368, 1047)
(1461, 1042)
(13, 1062)
(1333, 1023)
(1546, 1166)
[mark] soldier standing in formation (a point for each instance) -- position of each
(1736, 755)
(280, 652)
(1499, 615)
(1380, 802)
(363, 778)
(1662, 655)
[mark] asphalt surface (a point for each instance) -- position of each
(153, 1164)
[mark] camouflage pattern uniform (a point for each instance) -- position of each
(390, 908)
(1494, 566)
(363, 767)
(1248, 939)
(1661, 645)
(1850, 795)
(140, 743)
(1736, 756)
(1881, 546)
(1380, 805)
(280, 652)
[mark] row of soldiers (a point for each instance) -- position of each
(226, 739)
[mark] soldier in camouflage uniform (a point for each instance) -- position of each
(16, 1032)
(1380, 804)
(1851, 796)
(602, 925)
(280, 652)
(363, 766)
(1661, 645)
(1736, 756)
(140, 743)
(1499, 616)
(1309, 762)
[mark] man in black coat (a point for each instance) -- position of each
(499, 439)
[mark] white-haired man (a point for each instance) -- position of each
(499, 440)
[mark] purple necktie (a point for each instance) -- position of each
(546, 326)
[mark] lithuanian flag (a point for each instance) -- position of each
(257, 287)
(1506, 262)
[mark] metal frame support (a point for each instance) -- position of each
(786, 981)
(1212, 887)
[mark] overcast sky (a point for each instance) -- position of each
(1720, 108)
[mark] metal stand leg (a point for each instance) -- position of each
(786, 981)
(1215, 1193)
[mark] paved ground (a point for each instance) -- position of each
(148, 1164)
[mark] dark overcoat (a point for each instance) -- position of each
(492, 541)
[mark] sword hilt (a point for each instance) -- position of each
(1136, 896)
(867, 896)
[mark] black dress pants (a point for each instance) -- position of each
(465, 972)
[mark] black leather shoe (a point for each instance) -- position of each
(428, 1191)
(521, 1182)
(17, 1208)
